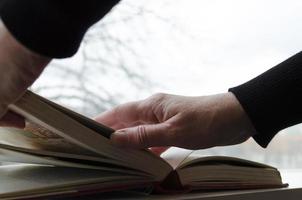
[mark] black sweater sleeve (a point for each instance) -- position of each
(53, 28)
(273, 100)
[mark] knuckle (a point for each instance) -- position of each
(142, 136)
(158, 96)
(174, 126)
(170, 127)
(172, 133)
(153, 105)
(178, 133)
(116, 110)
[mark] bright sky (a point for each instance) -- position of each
(234, 41)
(198, 47)
(207, 46)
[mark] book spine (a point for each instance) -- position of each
(171, 185)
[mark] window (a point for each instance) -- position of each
(185, 47)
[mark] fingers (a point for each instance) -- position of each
(109, 118)
(117, 117)
(126, 115)
(12, 119)
(142, 136)
(158, 150)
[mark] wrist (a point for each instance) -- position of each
(239, 119)
(14, 54)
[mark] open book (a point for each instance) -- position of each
(67, 153)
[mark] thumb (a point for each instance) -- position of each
(142, 136)
(11, 119)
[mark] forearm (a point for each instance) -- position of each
(273, 100)
(53, 28)
(32, 32)
(19, 67)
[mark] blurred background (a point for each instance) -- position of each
(185, 47)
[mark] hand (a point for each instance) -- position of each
(188, 122)
(19, 68)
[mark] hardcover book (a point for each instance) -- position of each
(65, 153)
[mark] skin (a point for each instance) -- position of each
(159, 121)
(164, 120)
(22, 67)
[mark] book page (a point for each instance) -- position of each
(35, 137)
(22, 180)
(76, 131)
(9, 155)
(196, 158)
(175, 156)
